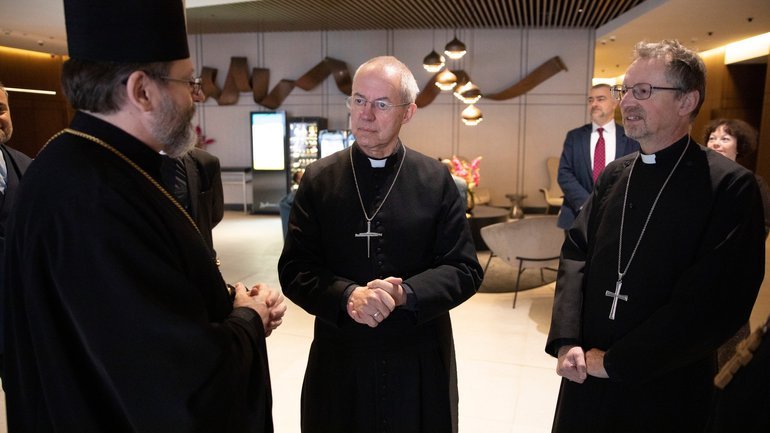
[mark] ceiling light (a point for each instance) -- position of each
(472, 115)
(455, 49)
(433, 62)
(24, 90)
(446, 80)
(749, 48)
(469, 93)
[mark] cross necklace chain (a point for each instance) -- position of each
(369, 234)
(616, 294)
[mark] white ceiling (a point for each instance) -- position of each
(699, 24)
(38, 25)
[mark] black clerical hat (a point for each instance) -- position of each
(126, 31)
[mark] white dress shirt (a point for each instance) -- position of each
(609, 141)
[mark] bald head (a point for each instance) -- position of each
(391, 66)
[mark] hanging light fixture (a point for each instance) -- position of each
(446, 80)
(455, 49)
(433, 62)
(469, 93)
(472, 115)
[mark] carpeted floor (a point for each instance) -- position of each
(501, 277)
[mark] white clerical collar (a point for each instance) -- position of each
(378, 163)
(648, 159)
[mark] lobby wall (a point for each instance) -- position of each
(35, 117)
(515, 138)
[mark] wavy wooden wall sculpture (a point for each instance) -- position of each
(238, 81)
(533, 79)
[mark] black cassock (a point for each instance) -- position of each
(117, 316)
(401, 375)
(691, 285)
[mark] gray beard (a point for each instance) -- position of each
(183, 144)
(174, 130)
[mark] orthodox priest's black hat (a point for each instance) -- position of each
(126, 31)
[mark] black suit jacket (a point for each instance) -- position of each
(16, 163)
(576, 171)
(204, 183)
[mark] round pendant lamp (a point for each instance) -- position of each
(446, 80)
(469, 93)
(472, 115)
(455, 49)
(433, 62)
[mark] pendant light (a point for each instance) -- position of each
(433, 62)
(455, 49)
(472, 115)
(446, 80)
(469, 93)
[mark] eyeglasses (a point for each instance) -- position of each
(641, 91)
(359, 102)
(195, 83)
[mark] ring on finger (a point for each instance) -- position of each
(376, 315)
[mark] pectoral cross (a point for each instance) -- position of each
(368, 234)
(615, 297)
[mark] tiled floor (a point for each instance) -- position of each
(507, 383)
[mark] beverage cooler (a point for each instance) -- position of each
(304, 147)
(331, 141)
(280, 147)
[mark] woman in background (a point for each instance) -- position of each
(733, 138)
(741, 403)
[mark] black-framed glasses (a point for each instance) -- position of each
(640, 91)
(195, 83)
(359, 102)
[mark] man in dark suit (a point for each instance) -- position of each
(198, 188)
(13, 164)
(579, 167)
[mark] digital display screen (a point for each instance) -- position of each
(268, 140)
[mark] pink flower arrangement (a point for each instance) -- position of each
(203, 141)
(469, 172)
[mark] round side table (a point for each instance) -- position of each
(516, 199)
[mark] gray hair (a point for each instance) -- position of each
(684, 67)
(409, 87)
(100, 86)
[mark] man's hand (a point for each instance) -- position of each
(393, 286)
(572, 363)
(267, 302)
(595, 363)
(370, 307)
(275, 302)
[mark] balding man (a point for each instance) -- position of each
(379, 250)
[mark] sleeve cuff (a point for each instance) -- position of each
(411, 298)
(346, 295)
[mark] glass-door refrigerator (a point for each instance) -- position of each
(304, 147)
(334, 140)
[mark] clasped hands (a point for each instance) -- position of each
(576, 365)
(373, 303)
(269, 303)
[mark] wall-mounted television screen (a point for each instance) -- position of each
(268, 140)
